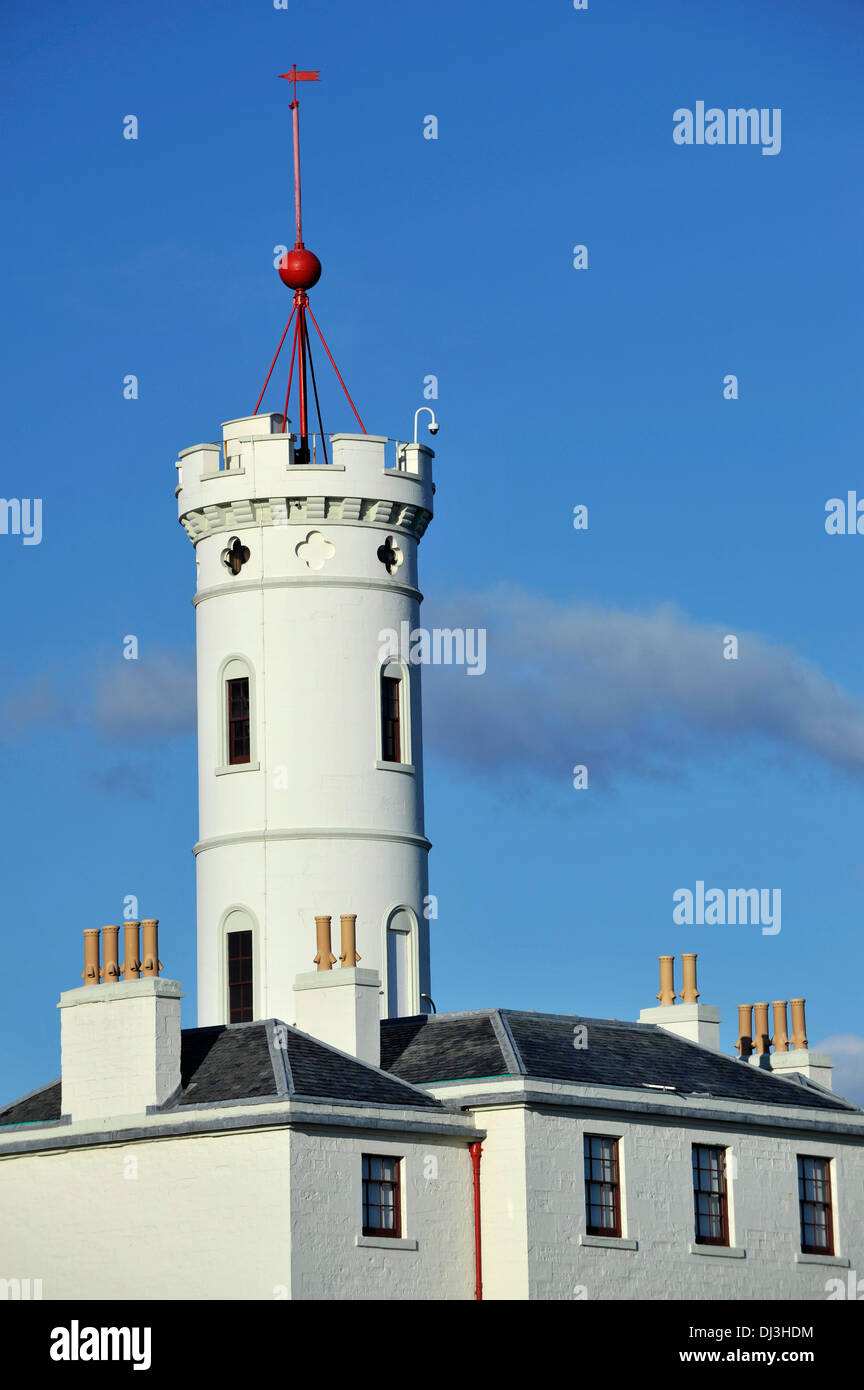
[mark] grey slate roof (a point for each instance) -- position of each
(241, 1062)
(35, 1108)
(507, 1042)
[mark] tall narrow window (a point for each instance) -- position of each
(602, 1187)
(240, 977)
(709, 1195)
(239, 744)
(814, 1201)
(391, 723)
(382, 1202)
(402, 998)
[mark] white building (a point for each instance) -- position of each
(318, 1135)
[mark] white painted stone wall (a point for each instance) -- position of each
(259, 1214)
(437, 1213)
(533, 1201)
(658, 1214)
(504, 1205)
(188, 1218)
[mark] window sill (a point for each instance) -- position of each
(839, 1260)
(731, 1252)
(609, 1242)
(385, 1243)
(396, 767)
(237, 767)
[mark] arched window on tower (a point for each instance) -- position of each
(237, 714)
(238, 720)
(395, 709)
(239, 948)
(402, 1001)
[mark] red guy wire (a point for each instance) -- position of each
(273, 363)
(290, 375)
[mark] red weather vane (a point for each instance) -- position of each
(300, 269)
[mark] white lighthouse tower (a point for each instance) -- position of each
(310, 757)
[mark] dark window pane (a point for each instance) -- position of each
(381, 1196)
(709, 1195)
(239, 741)
(814, 1199)
(602, 1192)
(240, 977)
(391, 739)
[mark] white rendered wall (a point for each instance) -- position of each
(262, 1214)
(504, 1205)
(437, 1211)
(312, 825)
(658, 1199)
(533, 1200)
(200, 1217)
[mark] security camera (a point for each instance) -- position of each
(433, 423)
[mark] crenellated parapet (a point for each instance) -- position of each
(252, 480)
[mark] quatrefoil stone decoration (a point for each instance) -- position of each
(390, 555)
(315, 551)
(235, 557)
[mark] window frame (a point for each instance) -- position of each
(395, 670)
(722, 1195)
(589, 1158)
(243, 932)
(412, 961)
(231, 722)
(827, 1206)
(384, 1232)
(235, 667)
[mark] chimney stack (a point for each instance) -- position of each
(340, 1007)
(816, 1065)
(699, 1023)
(120, 1041)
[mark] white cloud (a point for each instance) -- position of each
(638, 694)
(846, 1051)
(153, 696)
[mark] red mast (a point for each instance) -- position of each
(300, 269)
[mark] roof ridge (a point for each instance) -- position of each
(285, 1080)
(507, 1043)
(349, 1056)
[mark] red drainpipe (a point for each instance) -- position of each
(475, 1151)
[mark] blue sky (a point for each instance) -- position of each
(602, 386)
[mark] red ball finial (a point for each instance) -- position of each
(300, 269)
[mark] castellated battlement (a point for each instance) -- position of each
(252, 479)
